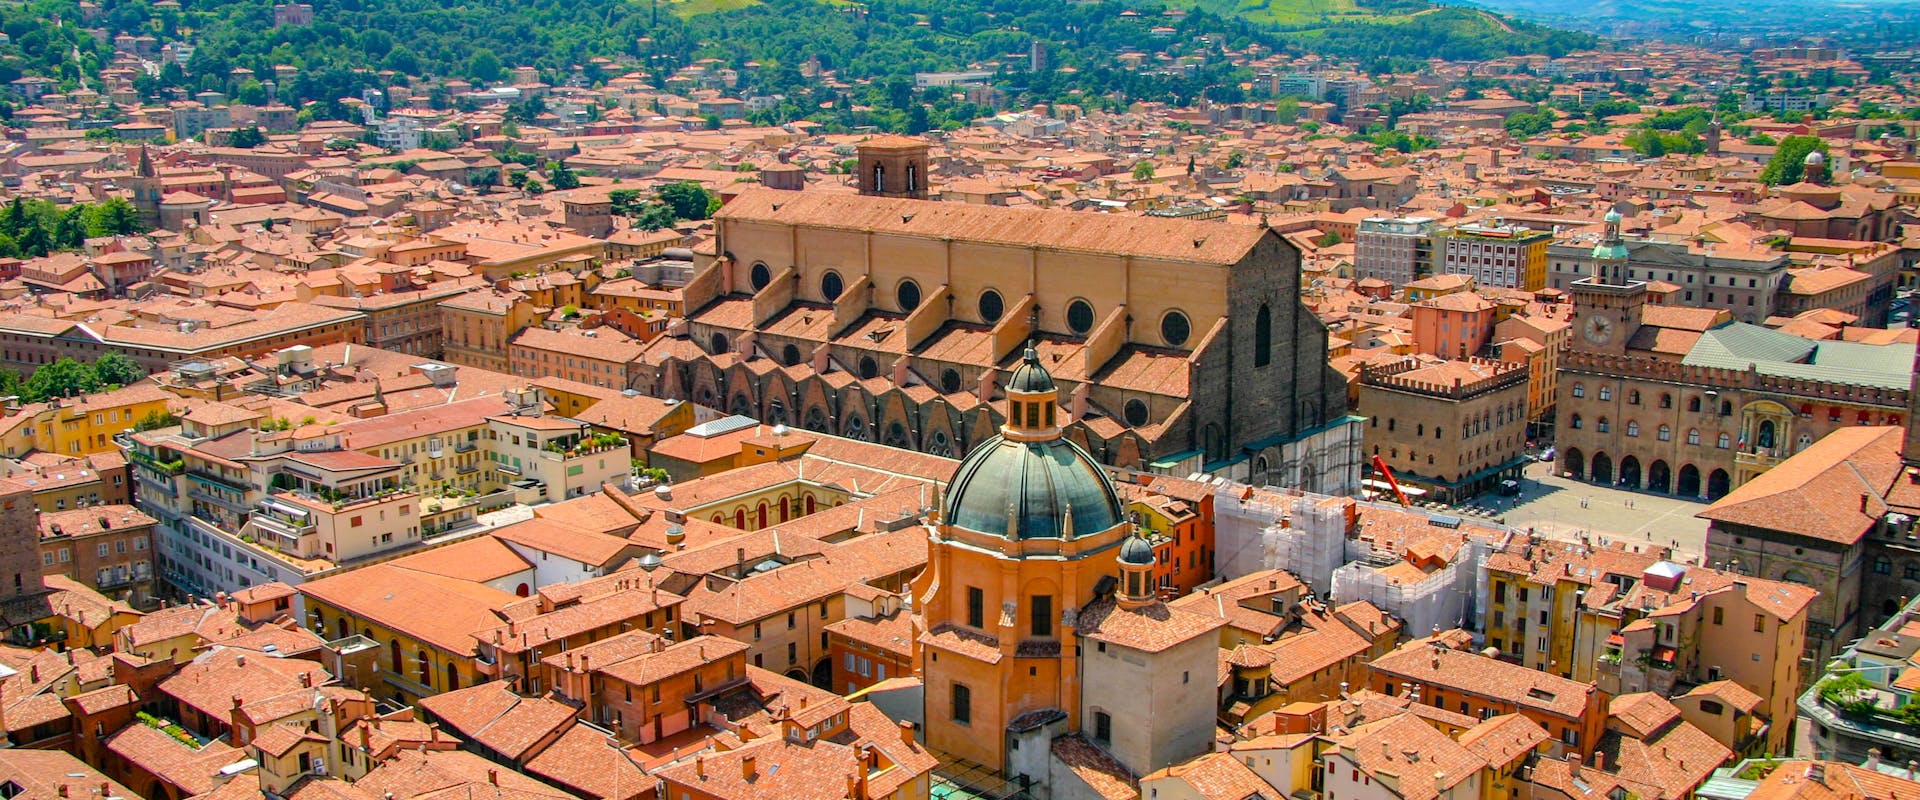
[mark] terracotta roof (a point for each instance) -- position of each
(1475, 674)
(1215, 776)
(492, 716)
(1139, 236)
(1830, 491)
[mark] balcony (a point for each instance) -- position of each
(466, 447)
(168, 468)
(286, 529)
(507, 468)
(212, 478)
(219, 501)
(1760, 457)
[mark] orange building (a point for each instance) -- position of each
(871, 647)
(1047, 652)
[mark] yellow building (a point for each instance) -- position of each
(424, 625)
(1629, 622)
(80, 426)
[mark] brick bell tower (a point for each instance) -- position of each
(893, 166)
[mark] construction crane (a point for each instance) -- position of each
(1380, 466)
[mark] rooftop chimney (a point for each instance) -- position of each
(747, 771)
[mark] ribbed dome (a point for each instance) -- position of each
(1040, 480)
(1030, 377)
(1135, 551)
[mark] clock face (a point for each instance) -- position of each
(1599, 329)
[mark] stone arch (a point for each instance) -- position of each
(1630, 472)
(1659, 477)
(1718, 484)
(1687, 483)
(1602, 468)
(1574, 463)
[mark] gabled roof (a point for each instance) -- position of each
(1830, 491)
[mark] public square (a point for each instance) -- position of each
(1564, 508)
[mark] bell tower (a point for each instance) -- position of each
(893, 166)
(145, 186)
(1607, 305)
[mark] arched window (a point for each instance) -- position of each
(453, 677)
(1575, 422)
(1693, 436)
(760, 515)
(912, 178)
(1606, 392)
(879, 178)
(1579, 390)
(1263, 337)
(786, 509)
(1666, 434)
(1633, 428)
(1693, 404)
(426, 670)
(1726, 408)
(1666, 400)
(1633, 397)
(1604, 425)
(1724, 442)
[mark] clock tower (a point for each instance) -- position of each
(1607, 305)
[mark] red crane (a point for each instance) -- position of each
(1381, 467)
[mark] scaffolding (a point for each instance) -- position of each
(1261, 529)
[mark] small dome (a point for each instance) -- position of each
(1136, 552)
(1030, 377)
(1815, 159)
(1614, 216)
(1039, 482)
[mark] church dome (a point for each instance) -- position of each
(1135, 551)
(1030, 480)
(1030, 377)
(1032, 485)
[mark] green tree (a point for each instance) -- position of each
(116, 369)
(687, 200)
(113, 216)
(484, 66)
(1788, 164)
(1143, 171)
(252, 92)
(248, 137)
(562, 177)
(1236, 160)
(1287, 111)
(63, 378)
(1332, 238)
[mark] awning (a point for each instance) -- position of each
(1616, 639)
(1663, 654)
(1411, 491)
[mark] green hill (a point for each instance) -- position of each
(878, 45)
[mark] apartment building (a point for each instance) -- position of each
(1495, 255)
(107, 548)
(1573, 712)
(1630, 622)
(1398, 250)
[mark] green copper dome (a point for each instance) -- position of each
(1030, 377)
(1031, 485)
(1136, 551)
